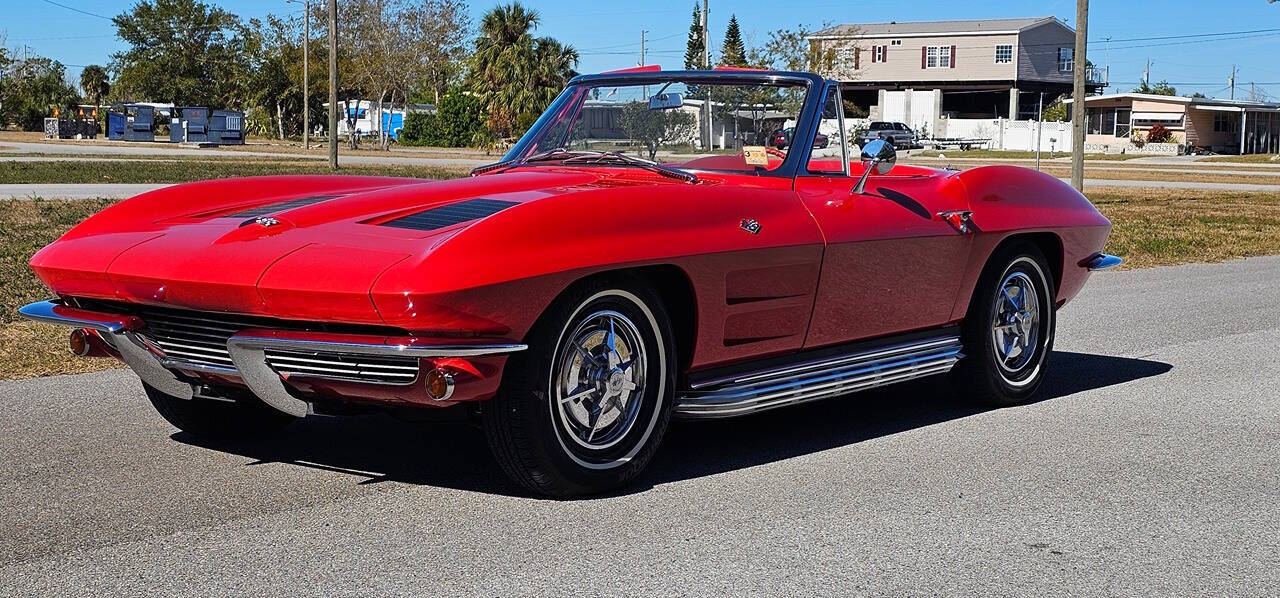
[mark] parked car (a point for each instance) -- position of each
(574, 301)
(781, 139)
(899, 134)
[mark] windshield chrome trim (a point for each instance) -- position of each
(806, 120)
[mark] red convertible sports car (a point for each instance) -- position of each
(575, 297)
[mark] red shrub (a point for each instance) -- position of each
(1159, 134)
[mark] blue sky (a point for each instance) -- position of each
(608, 33)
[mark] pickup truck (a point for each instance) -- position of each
(900, 135)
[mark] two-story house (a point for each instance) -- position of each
(982, 68)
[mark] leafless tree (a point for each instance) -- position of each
(439, 30)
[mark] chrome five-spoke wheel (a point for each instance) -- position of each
(1015, 329)
(585, 408)
(599, 380)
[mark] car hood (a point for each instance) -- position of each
(288, 247)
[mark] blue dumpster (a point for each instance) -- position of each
(226, 127)
(189, 124)
(115, 125)
(139, 123)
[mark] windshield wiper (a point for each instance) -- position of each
(649, 165)
(558, 153)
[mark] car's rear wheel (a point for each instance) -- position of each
(1009, 331)
(585, 407)
(218, 420)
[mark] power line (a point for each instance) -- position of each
(74, 9)
(1162, 37)
(626, 45)
(64, 37)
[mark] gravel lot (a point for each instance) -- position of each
(1151, 466)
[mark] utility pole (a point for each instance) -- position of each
(1077, 92)
(1146, 75)
(333, 85)
(1039, 128)
(646, 87)
(306, 75)
(706, 51)
(306, 78)
(1231, 81)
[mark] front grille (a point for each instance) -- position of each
(199, 339)
(195, 338)
(362, 368)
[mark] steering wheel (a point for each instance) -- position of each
(777, 153)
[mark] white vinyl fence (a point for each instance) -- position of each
(1007, 134)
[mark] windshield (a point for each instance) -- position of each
(690, 126)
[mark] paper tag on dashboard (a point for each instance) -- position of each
(755, 155)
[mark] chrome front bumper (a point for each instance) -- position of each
(247, 349)
(1101, 261)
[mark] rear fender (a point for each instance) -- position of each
(1011, 200)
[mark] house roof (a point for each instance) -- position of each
(965, 26)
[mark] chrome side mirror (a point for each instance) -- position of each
(877, 155)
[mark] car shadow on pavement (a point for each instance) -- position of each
(378, 448)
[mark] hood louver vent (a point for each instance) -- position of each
(276, 208)
(454, 213)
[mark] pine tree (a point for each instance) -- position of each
(694, 55)
(734, 52)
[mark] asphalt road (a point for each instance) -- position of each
(1149, 466)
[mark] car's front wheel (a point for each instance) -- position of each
(585, 407)
(1008, 333)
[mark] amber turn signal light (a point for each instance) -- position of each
(439, 384)
(79, 342)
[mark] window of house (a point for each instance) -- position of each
(878, 53)
(1004, 54)
(1094, 126)
(1122, 122)
(1066, 59)
(1109, 121)
(896, 42)
(937, 57)
(1223, 123)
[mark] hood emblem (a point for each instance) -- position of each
(750, 225)
(265, 221)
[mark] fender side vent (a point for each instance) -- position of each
(454, 213)
(276, 208)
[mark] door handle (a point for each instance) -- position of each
(961, 220)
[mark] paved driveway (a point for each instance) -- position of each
(1149, 466)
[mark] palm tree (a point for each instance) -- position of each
(94, 83)
(514, 74)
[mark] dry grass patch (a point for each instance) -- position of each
(30, 349)
(26, 225)
(27, 348)
(1246, 159)
(1117, 174)
(1156, 227)
(183, 171)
